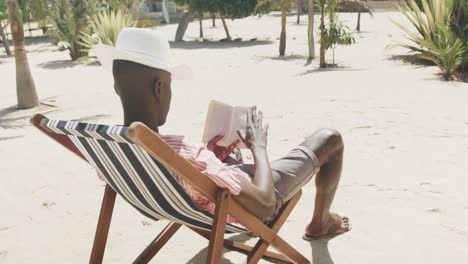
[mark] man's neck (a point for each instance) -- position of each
(148, 120)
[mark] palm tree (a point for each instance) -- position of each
(183, 25)
(25, 88)
(359, 6)
(285, 5)
(310, 29)
(200, 21)
(228, 35)
(322, 5)
(300, 4)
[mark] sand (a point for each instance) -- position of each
(406, 136)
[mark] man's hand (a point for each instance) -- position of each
(255, 136)
(221, 152)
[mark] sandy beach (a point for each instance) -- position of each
(404, 182)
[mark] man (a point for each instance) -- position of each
(142, 79)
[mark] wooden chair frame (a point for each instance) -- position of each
(225, 204)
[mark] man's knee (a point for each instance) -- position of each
(326, 141)
(332, 138)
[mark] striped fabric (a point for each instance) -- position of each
(139, 179)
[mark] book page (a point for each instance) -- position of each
(218, 120)
(238, 122)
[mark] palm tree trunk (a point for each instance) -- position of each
(310, 29)
(282, 46)
(183, 25)
(200, 19)
(358, 26)
(25, 88)
(228, 36)
(322, 38)
(6, 45)
(213, 20)
(299, 7)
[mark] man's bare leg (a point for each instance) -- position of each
(328, 146)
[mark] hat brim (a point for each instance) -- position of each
(107, 54)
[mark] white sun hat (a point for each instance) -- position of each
(144, 46)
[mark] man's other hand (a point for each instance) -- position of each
(221, 152)
(256, 134)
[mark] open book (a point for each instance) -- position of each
(224, 119)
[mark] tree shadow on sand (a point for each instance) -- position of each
(58, 64)
(333, 68)
(37, 40)
(13, 121)
(291, 57)
(414, 59)
(320, 251)
(217, 44)
(13, 118)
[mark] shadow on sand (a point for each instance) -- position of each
(37, 40)
(200, 257)
(58, 64)
(333, 68)
(13, 118)
(414, 59)
(291, 57)
(217, 44)
(320, 251)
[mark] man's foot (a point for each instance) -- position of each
(336, 225)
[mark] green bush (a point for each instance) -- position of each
(105, 28)
(438, 37)
(69, 18)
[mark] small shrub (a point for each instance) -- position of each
(336, 34)
(437, 37)
(69, 18)
(105, 28)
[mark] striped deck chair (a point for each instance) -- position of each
(138, 165)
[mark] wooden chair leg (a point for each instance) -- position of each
(102, 230)
(155, 245)
(245, 249)
(262, 245)
(215, 246)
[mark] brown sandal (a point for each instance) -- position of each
(341, 226)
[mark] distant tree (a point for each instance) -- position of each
(225, 8)
(300, 7)
(40, 11)
(285, 8)
(265, 6)
(25, 88)
(200, 20)
(4, 16)
(183, 25)
(359, 6)
(131, 6)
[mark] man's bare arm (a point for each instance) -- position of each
(258, 197)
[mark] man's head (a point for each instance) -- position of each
(145, 92)
(140, 62)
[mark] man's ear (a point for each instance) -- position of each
(157, 86)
